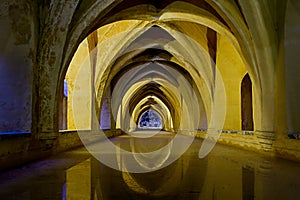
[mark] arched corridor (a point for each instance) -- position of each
(197, 73)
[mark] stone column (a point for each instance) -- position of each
(292, 66)
(54, 20)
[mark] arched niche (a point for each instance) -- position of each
(246, 103)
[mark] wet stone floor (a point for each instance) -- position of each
(226, 173)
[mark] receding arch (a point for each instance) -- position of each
(98, 14)
(150, 119)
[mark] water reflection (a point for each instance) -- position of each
(248, 177)
(226, 173)
(167, 183)
(138, 155)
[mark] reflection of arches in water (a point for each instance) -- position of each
(150, 120)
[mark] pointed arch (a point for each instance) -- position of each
(246, 103)
(150, 119)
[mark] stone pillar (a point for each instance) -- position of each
(48, 76)
(292, 66)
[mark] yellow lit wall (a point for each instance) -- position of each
(80, 65)
(233, 70)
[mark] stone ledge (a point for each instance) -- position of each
(243, 132)
(266, 139)
(11, 135)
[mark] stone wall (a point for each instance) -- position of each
(17, 51)
(292, 68)
(259, 142)
(19, 148)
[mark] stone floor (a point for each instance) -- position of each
(226, 173)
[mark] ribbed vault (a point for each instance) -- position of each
(191, 35)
